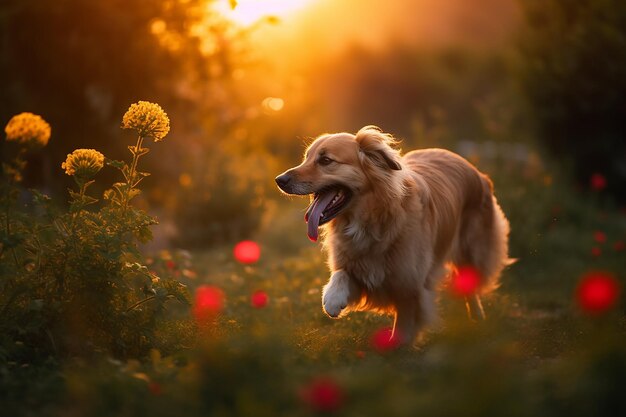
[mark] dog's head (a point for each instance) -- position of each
(337, 170)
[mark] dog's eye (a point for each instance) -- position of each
(324, 160)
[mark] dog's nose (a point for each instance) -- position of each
(282, 180)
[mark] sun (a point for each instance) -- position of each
(248, 12)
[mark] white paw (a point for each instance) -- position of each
(335, 299)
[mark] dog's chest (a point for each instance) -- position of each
(356, 251)
(366, 265)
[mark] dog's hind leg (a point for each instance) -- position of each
(484, 241)
(474, 307)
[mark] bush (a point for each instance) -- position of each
(73, 280)
(221, 206)
(573, 71)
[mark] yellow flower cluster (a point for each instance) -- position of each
(28, 129)
(148, 119)
(83, 163)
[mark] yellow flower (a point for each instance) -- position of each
(83, 163)
(28, 129)
(148, 119)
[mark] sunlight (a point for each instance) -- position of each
(248, 12)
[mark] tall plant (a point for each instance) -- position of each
(74, 281)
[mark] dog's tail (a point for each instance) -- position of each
(485, 240)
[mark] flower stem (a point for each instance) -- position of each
(133, 170)
(83, 187)
(145, 300)
(81, 193)
(10, 184)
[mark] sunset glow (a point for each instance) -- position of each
(248, 12)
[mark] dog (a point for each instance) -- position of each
(395, 226)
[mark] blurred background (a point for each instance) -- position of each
(533, 92)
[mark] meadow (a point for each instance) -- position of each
(246, 334)
(157, 270)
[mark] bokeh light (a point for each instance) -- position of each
(597, 182)
(384, 340)
(323, 394)
(465, 281)
(247, 252)
(272, 105)
(599, 236)
(259, 299)
(208, 302)
(155, 389)
(597, 292)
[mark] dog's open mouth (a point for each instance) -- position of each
(326, 205)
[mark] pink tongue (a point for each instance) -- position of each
(313, 214)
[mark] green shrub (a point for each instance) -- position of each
(221, 206)
(73, 281)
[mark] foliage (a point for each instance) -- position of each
(537, 354)
(572, 70)
(220, 206)
(73, 281)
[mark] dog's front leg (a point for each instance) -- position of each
(338, 293)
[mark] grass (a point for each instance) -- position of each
(537, 354)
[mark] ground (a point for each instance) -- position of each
(538, 351)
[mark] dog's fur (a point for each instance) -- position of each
(411, 220)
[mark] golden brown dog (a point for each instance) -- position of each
(395, 226)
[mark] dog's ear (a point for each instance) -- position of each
(378, 147)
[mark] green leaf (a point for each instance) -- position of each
(89, 200)
(181, 296)
(121, 187)
(138, 152)
(143, 234)
(39, 197)
(134, 192)
(73, 194)
(109, 194)
(115, 164)
(88, 183)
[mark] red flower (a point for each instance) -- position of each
(599, 236)
(323, 394)
(597, 292)
(596, 251)
(155, 388)
(247, 252)
(259, 299)
(465, 281)
(360, 354)
(384, 340)
(208, 302)
(597, 182)
(619, 246)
